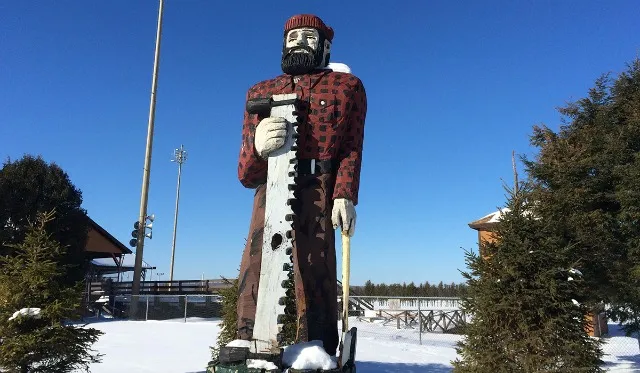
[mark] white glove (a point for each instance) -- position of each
(271, 134)
(344, 215)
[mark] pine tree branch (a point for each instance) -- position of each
(515, 171)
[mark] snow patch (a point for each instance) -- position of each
(308, 355)
(260, 364)
(338, 67)
(128, 347)
(239, 343)
(29, 312)
(575, 271)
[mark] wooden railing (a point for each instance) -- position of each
(357, 303)
(446, 321)
(181, 287)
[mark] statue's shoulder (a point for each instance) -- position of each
(342, 74)
(266, 86)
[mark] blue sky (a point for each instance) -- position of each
(453, 88)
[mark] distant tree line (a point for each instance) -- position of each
(410, 289)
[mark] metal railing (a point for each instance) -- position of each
(166, 307)
(437, 321)
(407, 318)
(440, 321)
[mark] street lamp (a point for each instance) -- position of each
(180, 156)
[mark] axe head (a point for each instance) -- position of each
(348, 350)
(260, 106)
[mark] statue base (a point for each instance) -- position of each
(218, 367)
(234, 359)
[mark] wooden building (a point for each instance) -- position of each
(486, 226)
(101, 244)
(107, 255)
(108, 259)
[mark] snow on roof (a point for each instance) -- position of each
(128, 261)
(492, 218)
(488, 220)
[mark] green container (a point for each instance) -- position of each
(336, 370)
(215, 367)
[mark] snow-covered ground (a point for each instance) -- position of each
(179, 347)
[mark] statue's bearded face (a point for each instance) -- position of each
(304, 50)
(302, 37)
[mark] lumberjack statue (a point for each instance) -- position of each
(325, 120)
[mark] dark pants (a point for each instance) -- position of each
(314, 263)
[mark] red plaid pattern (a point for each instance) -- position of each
(332, 127)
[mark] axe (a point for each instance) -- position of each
(262, 106)
(349, 336)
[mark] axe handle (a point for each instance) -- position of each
(346, 249)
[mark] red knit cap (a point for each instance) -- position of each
(308, 20)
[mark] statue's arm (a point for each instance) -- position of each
(252, 169)
(350, 154)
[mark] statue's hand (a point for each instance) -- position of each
(271, 134)
(344, 215)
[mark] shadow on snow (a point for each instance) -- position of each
(378, 367)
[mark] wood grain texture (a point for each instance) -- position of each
(281, 164)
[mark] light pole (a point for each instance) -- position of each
(137, 269)
(180, 156)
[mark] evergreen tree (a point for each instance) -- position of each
(525, 302)
(624, 111)
(369, 288)
(30, 185)
(229, 313)
(588, 182)
(382, 289)
(31, 279)
(411, 290)
(427, 289)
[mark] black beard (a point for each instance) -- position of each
(299, 63)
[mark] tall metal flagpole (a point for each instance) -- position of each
(180, 157)
(137, 270)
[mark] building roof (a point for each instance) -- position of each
(109, 265)
(489, 221)
(112, 240)
(128, 261)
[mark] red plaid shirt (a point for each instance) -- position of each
(333, 129)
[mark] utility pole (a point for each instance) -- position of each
(180, 157)
(137, 269)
